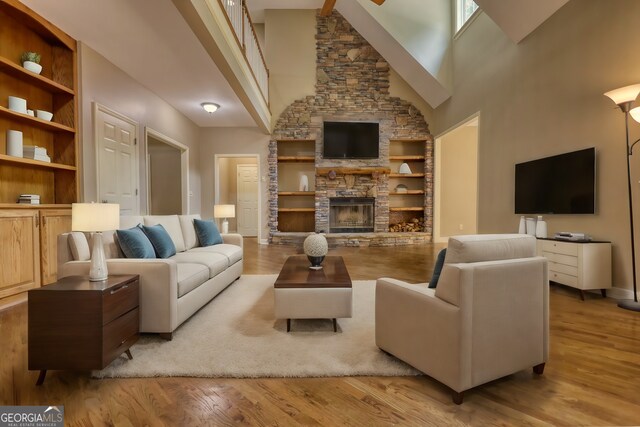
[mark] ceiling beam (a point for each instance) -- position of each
(327, 7)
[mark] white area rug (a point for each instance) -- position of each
(237, 335)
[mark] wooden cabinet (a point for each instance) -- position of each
(52, 223)
(53, 90)
(296, 209)
(20, 249)
(28, 242)
(580, 265)
(76, 324)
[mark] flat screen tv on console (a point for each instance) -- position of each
(562, 184)
(351, 140)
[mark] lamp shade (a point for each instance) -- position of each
(93, 217)
(624, 94)
(224, 211)
(635, 113)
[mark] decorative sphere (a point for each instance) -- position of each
(315, 245)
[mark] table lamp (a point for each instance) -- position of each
(224, 211)
(96, 218)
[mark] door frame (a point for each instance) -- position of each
(96, 108)
(437, 238)
(216, 177)
(184, 165)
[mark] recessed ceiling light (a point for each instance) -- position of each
(210, 107)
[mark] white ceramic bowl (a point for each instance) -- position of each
(44, 115)
(32, 66)
(18, 105)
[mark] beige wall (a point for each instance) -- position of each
(228, 185)
(291, 54)
(542, 97)
(233, 141)
(290, 50)
(165, 178)
(106, 84)
(456, 182)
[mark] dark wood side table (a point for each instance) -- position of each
(75, 324)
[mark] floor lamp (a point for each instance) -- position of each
(624, 98)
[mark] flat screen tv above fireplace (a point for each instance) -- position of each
(351, 140)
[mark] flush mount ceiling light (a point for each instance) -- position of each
(210, 107)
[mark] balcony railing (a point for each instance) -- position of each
(240, 20)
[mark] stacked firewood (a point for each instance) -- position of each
(413, 225)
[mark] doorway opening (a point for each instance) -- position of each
(167, 175)
(456, 181)
(237, 183)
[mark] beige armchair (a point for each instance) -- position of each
(487, 318)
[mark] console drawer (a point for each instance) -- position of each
(565, 279)
(562, 268)
(561, 259)
(560, 247)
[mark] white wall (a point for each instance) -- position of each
(103, 82)
(233, 141)
(544, 96)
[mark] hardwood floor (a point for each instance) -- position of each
(592, 377)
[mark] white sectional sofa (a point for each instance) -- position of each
(171, 289)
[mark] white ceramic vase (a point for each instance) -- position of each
(541, 228)
(14, 143)
(315, 248)
(522, 228)
(531, 226)
(304, 183)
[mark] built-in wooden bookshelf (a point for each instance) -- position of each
(29, 232)
(53, 90)
(296, 210)
(410, 202)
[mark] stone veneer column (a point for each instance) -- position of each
(352, 85)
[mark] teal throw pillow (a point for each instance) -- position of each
(207, 232)
(160, 240)
(135, 244)
(437, 269)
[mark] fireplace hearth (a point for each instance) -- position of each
(351, 214)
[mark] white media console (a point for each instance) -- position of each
(581, 265)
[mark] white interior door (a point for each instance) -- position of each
(247, 200)
(117, 162)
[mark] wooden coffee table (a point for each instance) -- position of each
(302, 293)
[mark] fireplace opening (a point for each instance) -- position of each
(351, 214)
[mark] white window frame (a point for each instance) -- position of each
(460, 23)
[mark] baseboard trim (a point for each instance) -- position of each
(264, 241)
(619, 293)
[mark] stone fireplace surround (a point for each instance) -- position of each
(352, 84)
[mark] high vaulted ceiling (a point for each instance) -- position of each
(150, 41)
